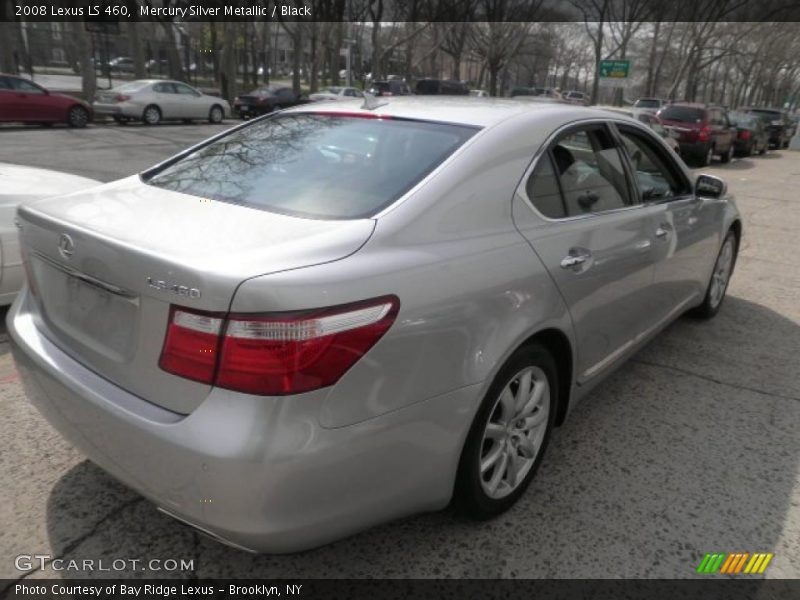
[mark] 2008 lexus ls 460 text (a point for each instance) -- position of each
(335, 316)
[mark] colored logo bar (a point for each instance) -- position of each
(734, 563)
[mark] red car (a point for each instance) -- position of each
(21, 100)
(703, 131)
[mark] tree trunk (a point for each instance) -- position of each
(651, 63)
(88, 78)
(227, 74)
(297, 57)
(7, 63)
(136, 49)
(314, 67)
(173, 58)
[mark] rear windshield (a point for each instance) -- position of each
(647, 103)
(742, 119)
(315, 165)
(767, 114)
(685, 114)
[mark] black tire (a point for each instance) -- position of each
(216, 114)
(186, 121)
(121, 120)
(151, 115)
(77, 116)
(710, 306)
(726, 157)
(763, 150)
(703, 159)
(469, 496)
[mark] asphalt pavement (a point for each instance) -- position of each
(691, 447)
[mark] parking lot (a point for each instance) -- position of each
(691, 447)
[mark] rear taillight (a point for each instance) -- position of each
(121, 98)
(744, 134)
(191, 345)
(704, 134)
(274, 354)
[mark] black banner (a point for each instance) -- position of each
(393, 11)
(388, 589)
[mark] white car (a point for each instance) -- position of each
(156, 100)
(479, 93)
(23, 184)
(335, 93)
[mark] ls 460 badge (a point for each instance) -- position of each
(179, 290)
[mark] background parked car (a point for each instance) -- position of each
(20, 184)
(648, 106)
(703, 131)
(266, 99)
(752, 136)
(121, 64)
(479, 93)
(22, 100)
(335, 93)
(440, 87)
(154, 100)
(777, 122)
(653, 122)
(393, 87)
(575, 97)
(534, 91)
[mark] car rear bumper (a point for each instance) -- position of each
(257, 472)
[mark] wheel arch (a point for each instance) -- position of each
(557, 343)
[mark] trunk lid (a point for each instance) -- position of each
(106, 264)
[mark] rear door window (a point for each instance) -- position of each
(315, 165)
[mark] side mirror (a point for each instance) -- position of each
(710, 186)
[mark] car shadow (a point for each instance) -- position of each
(691, 447)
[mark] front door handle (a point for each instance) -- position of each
(663, 231)
(574, 260)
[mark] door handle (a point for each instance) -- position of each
(574, 260)
(663, 231)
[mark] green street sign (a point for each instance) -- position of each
(614, 73)
(615, 69)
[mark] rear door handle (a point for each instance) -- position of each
(663, 231)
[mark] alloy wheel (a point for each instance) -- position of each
(78, 117)
(513, 436)
(152, 115)
(722, 273)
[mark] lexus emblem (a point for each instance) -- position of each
(66, 246)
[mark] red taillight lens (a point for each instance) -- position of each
(121, 98)
(744, 134)
(275, 354)
(704, 134)
(192, 344)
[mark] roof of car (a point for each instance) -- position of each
(465, 110)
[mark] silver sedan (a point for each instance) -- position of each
(20, 184)
(154, 100)
(341, 314)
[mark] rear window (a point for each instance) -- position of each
(315, 165)
(685, 114)
(767, 114)
(647, 103)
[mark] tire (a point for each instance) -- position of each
(485, 492)
(703, 160)
(121, 120)
(763, 150)
(77, 116)
(727, 156)
(186, 121)
(151, 115)
(216, 114)
(715, 294)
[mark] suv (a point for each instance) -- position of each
(395, 87)
(780, 127)
(702, 131)
(439, 87)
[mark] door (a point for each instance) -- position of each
(193, 105)
(10, 105)
(33, 102)
(168, 100)
(685, 226)
(596, 241)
